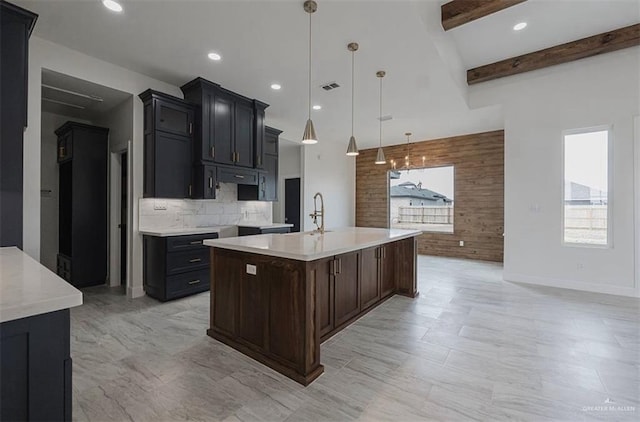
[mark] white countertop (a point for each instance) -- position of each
(307, 247)
(182, 231)
(28, 288)
(264, 226)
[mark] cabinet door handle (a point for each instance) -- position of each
(190, 128)
(259, 160)
(194, 282)
(340, 266)
(237, 157)
(332, 267)
(195, 260)
(239, 176)
(189, 190)
(61, 151)
(213, 152)
(384, 252)
(196, 242)
(211, 183)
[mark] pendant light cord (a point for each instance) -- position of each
(352, 88)
(380, 113)
(310, 66)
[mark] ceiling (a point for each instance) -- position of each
(262, 42)
(73, 97)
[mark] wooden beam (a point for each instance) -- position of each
(459, 12)
(606, 42)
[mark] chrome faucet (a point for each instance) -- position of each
(316, 213)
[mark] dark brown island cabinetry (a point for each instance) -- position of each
(279, 310)
(16, 25)
(168, 144)
(83, 202)
(176, 266)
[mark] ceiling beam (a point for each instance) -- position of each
(459, 12)
(606, 42)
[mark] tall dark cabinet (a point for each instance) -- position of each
(168, 144)
(16, 25)
(82, 158)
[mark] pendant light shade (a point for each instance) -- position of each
(380, 159)
(352, 149)
(309, 136)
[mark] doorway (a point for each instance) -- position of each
(292, 203)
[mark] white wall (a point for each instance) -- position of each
(49, 186)
(637, 207)
(326, 169)
(119, 121)
(538, 106)
(48, 55)
(289, 166)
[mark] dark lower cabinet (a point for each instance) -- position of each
(16, 25)
(176, 266)
(83, 203)
(370, 285)
(249, 231)
(325, 295)
(36, 368)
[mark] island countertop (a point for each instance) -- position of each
(310, 247)
(27, 288)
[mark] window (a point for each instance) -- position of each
(421, 199)
(586, 187)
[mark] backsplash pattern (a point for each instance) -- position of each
(185, 213)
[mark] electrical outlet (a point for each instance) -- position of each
(462, 243)
(159, 205)
(251, 269)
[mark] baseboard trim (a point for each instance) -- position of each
(572, 285)
(135, 291)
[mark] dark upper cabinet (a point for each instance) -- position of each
(168, 144)
(16, 25)
(65, 147)
(259, 133)
(205, 181)
(174, 118)
(83, 219)
(267, 186)
(227, 124)
(243, 127)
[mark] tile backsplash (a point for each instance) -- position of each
(224, 210)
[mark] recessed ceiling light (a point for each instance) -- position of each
(317, 107)
(112, 5)
(276, 86)
(214, 56)
(520, 26)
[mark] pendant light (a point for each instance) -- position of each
(352, 149)
(309, 136)
(380, 156)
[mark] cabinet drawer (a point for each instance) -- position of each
(238, 176)
(179, 262)
(183, 243)
(187, 283)
(276, 230)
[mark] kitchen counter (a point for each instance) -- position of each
(27, 288)
(183, 231)
(308, 246)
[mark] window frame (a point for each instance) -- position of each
(601, 128)
(453, 166)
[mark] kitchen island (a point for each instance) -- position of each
(277, 297)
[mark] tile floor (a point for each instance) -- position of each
(470, 347)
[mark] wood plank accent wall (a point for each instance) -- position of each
(478, 161)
